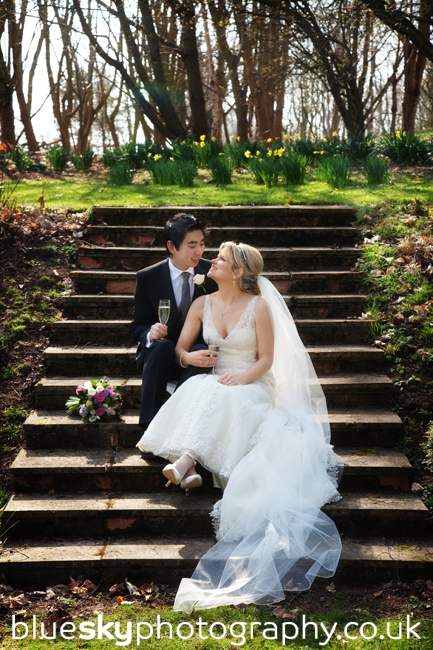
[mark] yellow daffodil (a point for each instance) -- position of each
(398, 134)
(202, 144)
(324, 140)
(196, 144)
(286, 137)
(238, 138)
(221, 154)
(334, 134)
(172, 159)
(269, 140)
(231, 137)
(280, 151)
(404, 133)
(247, 154)
(157, 156)
(311, 135)
(213, 138)
(183, 142)
(149, 155)
(260, 159)
(322, 152)
(270, 152)
(202, 138)
(368, 144)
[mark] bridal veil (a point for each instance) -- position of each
(272, 535)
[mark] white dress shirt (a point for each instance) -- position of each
(176, 281)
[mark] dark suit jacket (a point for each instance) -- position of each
(154, 284)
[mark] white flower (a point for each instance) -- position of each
(111, 411)
(199, 279)
(91, 391)
(88, 385)
(93, 418)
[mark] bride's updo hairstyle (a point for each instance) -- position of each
(248, 259)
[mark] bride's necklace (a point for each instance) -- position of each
(227, 310)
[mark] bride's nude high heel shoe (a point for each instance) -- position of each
(185, 462)
(172, 474)
(192, 481)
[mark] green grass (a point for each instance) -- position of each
(95, 190)
(267, 633)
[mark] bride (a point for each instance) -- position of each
(260, 425)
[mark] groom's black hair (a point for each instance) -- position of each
(177, 228)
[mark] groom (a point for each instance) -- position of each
(171, 279)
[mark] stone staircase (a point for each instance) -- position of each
(85, 501)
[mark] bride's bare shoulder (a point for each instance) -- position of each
(262, 309)
(197, 305)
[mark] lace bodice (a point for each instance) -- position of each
(238, 351)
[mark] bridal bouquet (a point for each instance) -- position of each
(95, 401)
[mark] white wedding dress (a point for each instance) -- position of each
(267, 443)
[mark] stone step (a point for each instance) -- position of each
(110, 306)
(107, 560)
(275, 259)
(156, 513)
(351, 391)
(55, 429)
(121, 235)
(91, 470)
(99, 361)
(297, 282)
(242, 215)
(119, 332)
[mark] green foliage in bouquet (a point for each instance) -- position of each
(95, 400)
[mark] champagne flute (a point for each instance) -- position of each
(163, 314)
(213, 348)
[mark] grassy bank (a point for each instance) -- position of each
(79, 191)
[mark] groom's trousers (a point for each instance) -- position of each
(159, 367)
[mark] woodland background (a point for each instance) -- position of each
(158, 70)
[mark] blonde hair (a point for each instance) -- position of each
(248, 259)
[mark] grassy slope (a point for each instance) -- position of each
(78, 192)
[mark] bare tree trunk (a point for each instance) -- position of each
(220, 16)
(414, 66)
(6, 84)
(190, 57)
(16, 31)
(216, 97)
(278, 115)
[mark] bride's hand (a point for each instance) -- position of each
(200, 358)
(229, 380)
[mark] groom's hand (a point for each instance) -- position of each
(201, 358)
(157, 331)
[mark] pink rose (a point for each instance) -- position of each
(118, 405)
(100, 396)
(99, 411)
(80, 389)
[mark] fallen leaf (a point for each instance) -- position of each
(331, 588)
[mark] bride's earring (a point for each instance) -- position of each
(234, 282)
